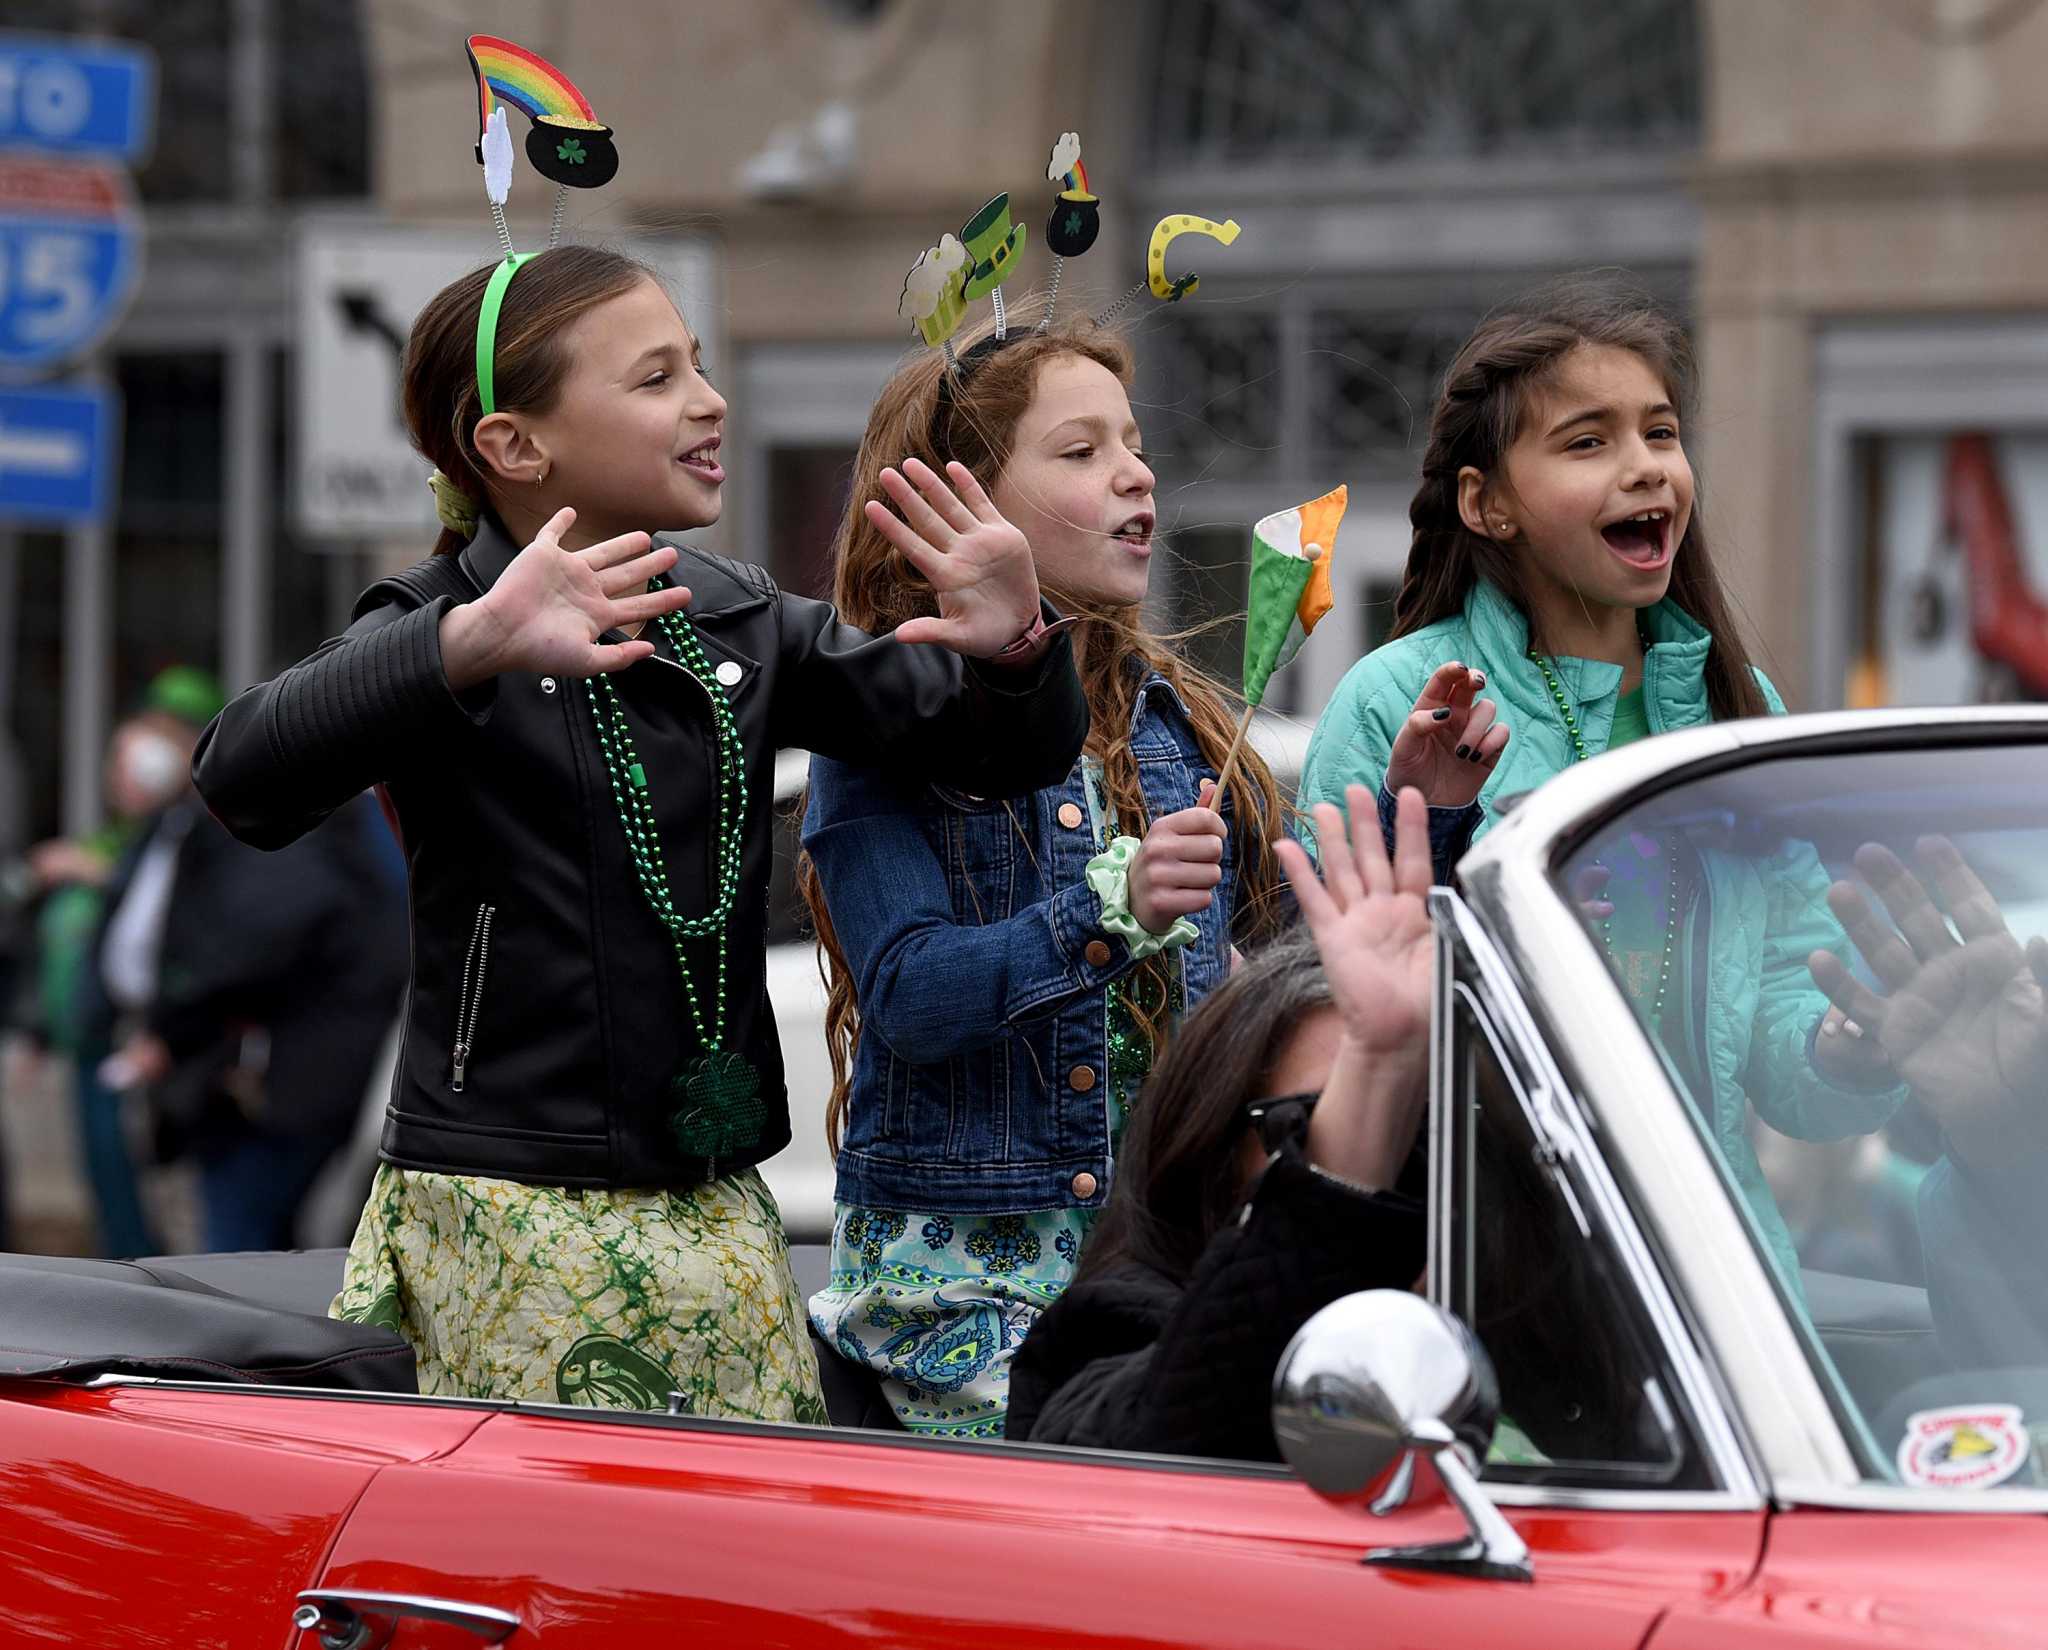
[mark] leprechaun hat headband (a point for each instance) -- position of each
(565, 143)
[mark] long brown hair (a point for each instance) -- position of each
(873, 587)
(1477, 415)
(1179, 1180)
(442, 409)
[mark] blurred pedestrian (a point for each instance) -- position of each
(251, 990)
(143, 773)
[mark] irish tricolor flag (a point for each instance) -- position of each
(1290, 585)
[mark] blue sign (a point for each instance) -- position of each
(57, 454)
(70, 252)
(77, 97)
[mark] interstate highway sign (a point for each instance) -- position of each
(56, 454)
(70, 253)
(77, 97)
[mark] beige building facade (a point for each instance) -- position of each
(1848, 196)
(823, 146)
(1873, 271)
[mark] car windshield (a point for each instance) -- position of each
(1839, 959)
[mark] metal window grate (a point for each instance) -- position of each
(1420, 79)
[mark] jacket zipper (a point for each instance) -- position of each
(473, 968)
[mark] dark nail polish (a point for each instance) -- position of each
(1443, 715)
(1479, 756)
(1464, 751)
(1479, 678)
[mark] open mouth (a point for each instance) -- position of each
(1641, 540)
(1136, 533)
(704, 461)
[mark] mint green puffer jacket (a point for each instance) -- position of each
(1758, 1004)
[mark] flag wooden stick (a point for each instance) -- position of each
(1230, 762)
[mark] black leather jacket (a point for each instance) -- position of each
(532, 944)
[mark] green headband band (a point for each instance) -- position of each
(487, 329)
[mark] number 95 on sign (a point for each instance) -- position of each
(70, 251)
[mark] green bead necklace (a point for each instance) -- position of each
(1579, 752)
(719, 1110)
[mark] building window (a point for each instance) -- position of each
(809, 487)
(1423, 79)
(1219, 374)
(319, 117)
(1372, 378)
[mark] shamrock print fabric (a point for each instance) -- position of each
(606, 1299)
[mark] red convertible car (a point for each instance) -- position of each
(1837, 1450)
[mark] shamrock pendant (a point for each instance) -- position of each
(719, 1110)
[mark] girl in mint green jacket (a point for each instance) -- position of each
(1558, 602)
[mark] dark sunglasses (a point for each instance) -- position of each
(1281, 1119)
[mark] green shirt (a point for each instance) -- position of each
(1631, 719)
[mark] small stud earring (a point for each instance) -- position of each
(541, 475)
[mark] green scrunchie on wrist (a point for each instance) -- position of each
(1109, 874)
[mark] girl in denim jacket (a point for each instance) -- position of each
(1003, 974)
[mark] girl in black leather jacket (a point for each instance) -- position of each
(576, 739)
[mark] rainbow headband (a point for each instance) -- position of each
(530, 83)
(565, 142)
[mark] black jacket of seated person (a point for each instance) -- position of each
(532, 942)
(1133, 1359)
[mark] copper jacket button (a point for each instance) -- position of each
(1084, 1184)
(1070, 815)
(1097, 953)
(1081, 1079)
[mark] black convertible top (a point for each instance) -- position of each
(77, 1319)
(257, 1317)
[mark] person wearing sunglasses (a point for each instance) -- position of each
(1261, 1170)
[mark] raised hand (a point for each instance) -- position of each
(1965, 1019)
(1177, 867)
(547, 610)
(1372, 931)
(1451, 740)
(1369, 920)
(977, 564)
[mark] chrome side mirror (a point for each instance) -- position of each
(1367, 1385)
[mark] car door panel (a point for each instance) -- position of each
(153, 1516)
(1925, 1581)
(590, 1531)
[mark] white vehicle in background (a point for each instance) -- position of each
(801, 1174)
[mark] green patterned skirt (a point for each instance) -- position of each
(602, 1298)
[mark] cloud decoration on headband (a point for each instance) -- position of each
(495, 151)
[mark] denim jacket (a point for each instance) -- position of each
(980, 1085)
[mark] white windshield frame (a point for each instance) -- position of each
(1704, 1245)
